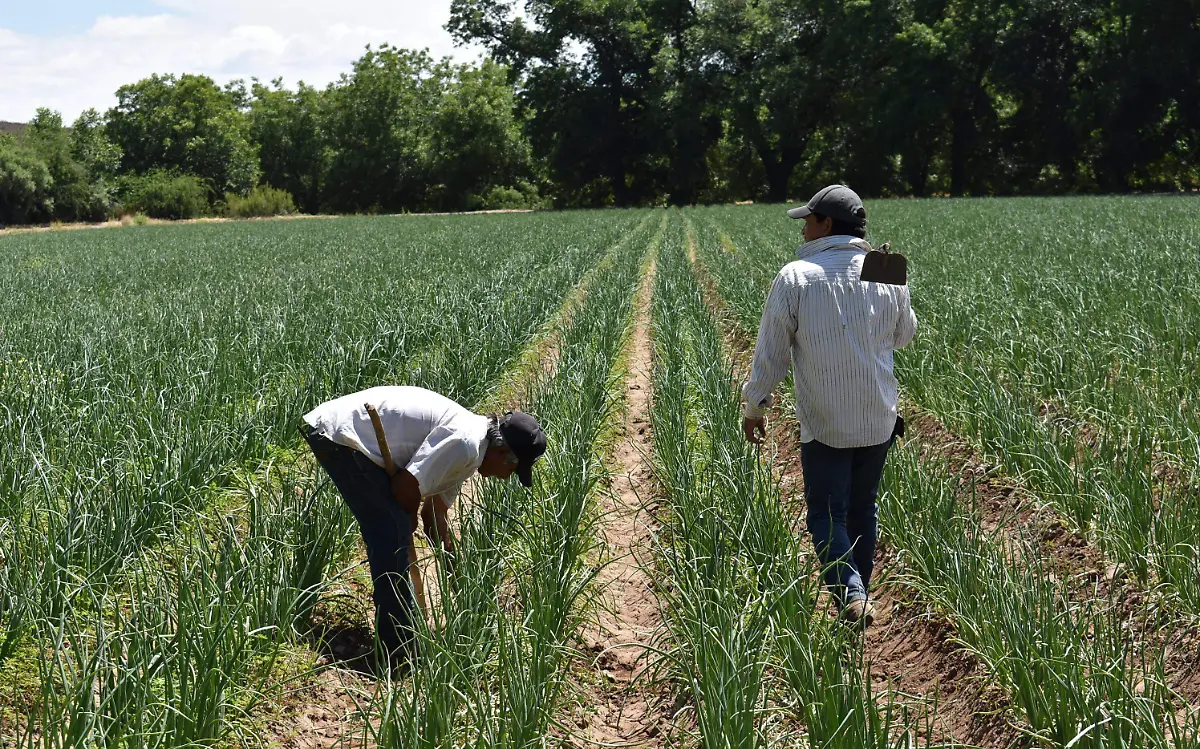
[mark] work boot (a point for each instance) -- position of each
(859, 613)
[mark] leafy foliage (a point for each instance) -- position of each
(188, 124)
(262, 201)
(166, 195)
(644, 102)
(25, 185)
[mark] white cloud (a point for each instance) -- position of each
(125, 28)
(308, 40)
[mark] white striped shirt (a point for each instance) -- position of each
(838, 333)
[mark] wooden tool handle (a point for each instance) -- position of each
(414, 571)
(381, 438)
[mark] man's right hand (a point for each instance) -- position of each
(755, 429)
(407, 492)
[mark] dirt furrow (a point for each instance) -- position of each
(622, 706)
(1016, 519)
(539, 361)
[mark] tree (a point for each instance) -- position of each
(91, 147)
(478, 143)
(25, 185)
(1138, 93)
(187, 124)
(591, 87)
(287, 129)
(380, 131)
(78, 194)
(784, 66)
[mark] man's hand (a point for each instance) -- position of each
(755, 429)
(407, 492)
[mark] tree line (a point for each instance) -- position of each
(642, 102)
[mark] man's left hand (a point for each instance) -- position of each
(755, 429)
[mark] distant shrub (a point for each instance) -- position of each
(165, 195)
(524, 196)
(262, 201)
(135, 219)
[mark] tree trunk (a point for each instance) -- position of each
(777, 178)
(962, 140)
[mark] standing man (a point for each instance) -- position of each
(837, 333)
(436, 445)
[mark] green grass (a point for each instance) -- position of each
(1060, 336)
(172, 363)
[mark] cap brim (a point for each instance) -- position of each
(800, 212)
(525, 474)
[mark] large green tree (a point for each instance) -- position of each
(478, 141)
(81, 162)
(287, 127)
(786, 69)
(380, 130)
(592, 85)
(25, 184)
(188, 124)
(1139, 93)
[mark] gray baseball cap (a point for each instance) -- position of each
(837, 202)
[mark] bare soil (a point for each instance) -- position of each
(128, 221)
(321, 714)
(318, 708)
(621, 704)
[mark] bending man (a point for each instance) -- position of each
(837, 333)
(436, 445)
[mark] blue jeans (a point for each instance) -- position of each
(841, 486)
(387, 530)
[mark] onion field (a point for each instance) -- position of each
(175, 570)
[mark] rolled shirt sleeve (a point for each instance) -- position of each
(441, 461)
(773, 348)
(450, 496)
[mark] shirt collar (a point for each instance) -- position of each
(838, 241)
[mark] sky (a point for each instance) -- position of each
(70, 55)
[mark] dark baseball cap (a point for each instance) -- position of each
(526, 440)
(838, 202)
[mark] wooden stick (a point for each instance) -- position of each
(414, 572)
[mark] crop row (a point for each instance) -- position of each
(1060, 335)
(1076, 673)
(751, 643)
(495, 651)
(148, 613)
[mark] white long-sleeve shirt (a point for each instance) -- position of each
(438, 441)
(837, 333)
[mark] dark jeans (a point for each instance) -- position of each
(386, 529)
(841, 485)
